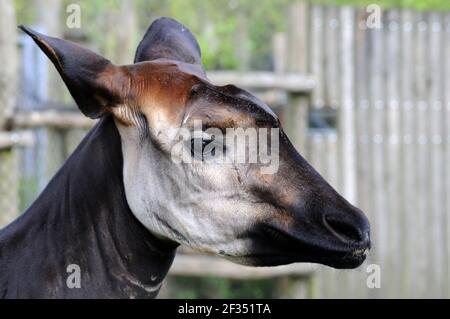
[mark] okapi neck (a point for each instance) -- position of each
(83, 218)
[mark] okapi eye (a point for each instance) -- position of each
(203, 148)
(198, 147)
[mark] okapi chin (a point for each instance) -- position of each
(121, 204)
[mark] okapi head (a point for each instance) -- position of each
(230, 208)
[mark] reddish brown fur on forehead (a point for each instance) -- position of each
(164, 84)
(161, 86)
(164, 88)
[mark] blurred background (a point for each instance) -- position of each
(362, 88)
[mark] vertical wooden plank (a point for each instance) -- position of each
(331, 28)
(124, 33)
(408, 229)
(296, 120)
(392, 150)
(332, 282)
(380, 235)
(297, 110)
(346, 112)
(9, 187)
(317, 55)
(50, 142)
(9, 174)
(279, 43)
(298, 37)
(331, 155)
(435, 102)
(364, 167)
(327, 279)
(47, 14)
(347, 124)
(33, 88)
(317, 151)
(446, 119)
(409, 240)
(324, 65)
(8, 55)
(422, 164)
(363, 53)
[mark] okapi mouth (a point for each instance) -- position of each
(283, 246)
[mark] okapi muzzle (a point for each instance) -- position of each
(231, 209)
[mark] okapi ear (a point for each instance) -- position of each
(169, 39)
(93, 81)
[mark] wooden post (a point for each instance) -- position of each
(9, 179)
(347, 106)
(446, 132)
(296, 117)
(48, 17)
(378, 66)
(50, 142)
(126, 32)
(347, 123)
(279, 43)
(415, 165)
(241, 43)
(436, 155)
(120, 38)
(317, 51)
(393, 147)
(331, 58)
(296, 114)
(8, 55)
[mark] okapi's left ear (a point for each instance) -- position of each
(93, 81)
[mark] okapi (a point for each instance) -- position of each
(120, 206)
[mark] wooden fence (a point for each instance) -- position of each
(390, 152)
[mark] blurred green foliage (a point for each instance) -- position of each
(233, 34)
(222, 27)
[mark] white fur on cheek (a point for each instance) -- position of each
(174, 201)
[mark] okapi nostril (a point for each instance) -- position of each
(344, 229)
